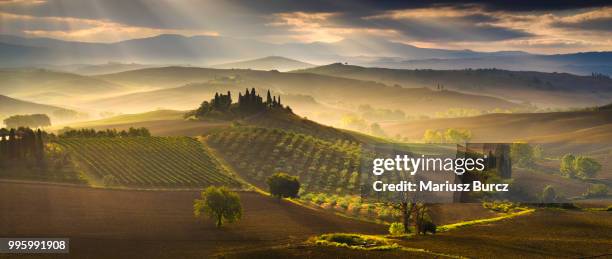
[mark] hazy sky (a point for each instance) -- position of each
(534, 26)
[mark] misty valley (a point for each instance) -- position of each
(256, 129)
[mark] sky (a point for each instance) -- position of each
(534, 26)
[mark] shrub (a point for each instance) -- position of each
(283, 185)
(397, 229)
(355, 241)
(500, 206)
(427, 226)
(586, 167)
(549, 195)
(580, 166)
(567, 166)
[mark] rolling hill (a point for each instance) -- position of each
(158, 115)
(583, 63)
(10, 106)
(173, 123)
(543, 89)
(322, 165)
(267, 63)
(47, 86)
(339, 92)
(579, 132)
(98, 69)
(509, 127)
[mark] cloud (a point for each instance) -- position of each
(596, 20)
(457, 24)
(21, 2)
(446, 24)
(78, 29)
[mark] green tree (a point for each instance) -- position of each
(549, 195)
(457, 136)
(538, 152)
(567, 166)
(220, 204)
(283, 185)
(522, 154)
(586, 167)
(433, 136)
(397, 229)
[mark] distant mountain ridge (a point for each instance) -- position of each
(545, 89)
(210, 50)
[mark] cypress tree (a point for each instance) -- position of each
(39, 148)
(12, 144)
(269, 99)
(3, 143)
(216, 100)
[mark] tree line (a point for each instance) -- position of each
(108, 133)
(22, 145)
(249, 103)
(32, 121)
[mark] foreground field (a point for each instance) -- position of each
(144, 224)
(546, 233)
(543, 234)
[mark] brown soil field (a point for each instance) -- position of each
(547, 233)
(311, 251)
(144, 224)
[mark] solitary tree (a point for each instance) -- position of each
(220, 204)
(567, 165)
(283, 185)
(522, 154)
(586, 167)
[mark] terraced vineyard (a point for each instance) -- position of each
(324, 166)
(147, 161)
